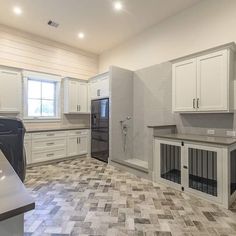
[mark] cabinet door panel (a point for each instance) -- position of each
(104, 87)
(205, 171)
(184, 85)
(83, 145)
(82, 97)
(73, 97)
(10, 91)
(212, 84)
(93, 89)
(72, 146)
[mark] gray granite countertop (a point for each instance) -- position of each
(48, 129)
(161, 126)
(199, 138)
(14, 198)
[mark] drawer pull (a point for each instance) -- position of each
(50, 144)
(50, 154)
(50, 134)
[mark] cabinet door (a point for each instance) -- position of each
(72, 96)
(184, 85)
(82, 97)
(205, 171)
(72, 146)
(94, 89)
(83, 144)
(167, 164)
(104, 86)
(89, 97)
(27, 145)
(212, 81)
(10, 91)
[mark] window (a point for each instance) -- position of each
(42, 100)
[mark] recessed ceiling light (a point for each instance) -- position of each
(118, 6)
(81, 35)
(17, 10)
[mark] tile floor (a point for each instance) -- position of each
(88, 197)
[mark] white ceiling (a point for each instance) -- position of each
(103, 27)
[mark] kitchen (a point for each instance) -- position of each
(131, 134)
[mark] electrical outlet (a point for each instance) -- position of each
(211, 131)
(231, 133)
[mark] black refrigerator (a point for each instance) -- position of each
(100, 129)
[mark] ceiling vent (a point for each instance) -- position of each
(53, 24)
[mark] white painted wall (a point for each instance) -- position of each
(207, 24)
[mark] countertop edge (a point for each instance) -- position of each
(12, 213)
(196, 141)
(56, 129)
(160, 126)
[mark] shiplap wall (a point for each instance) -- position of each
(26, 51)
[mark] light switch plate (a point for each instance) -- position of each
(231, 133)
(211, 131)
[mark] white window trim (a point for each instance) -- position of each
(46, 78)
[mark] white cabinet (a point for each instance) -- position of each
(184, 85)
(75, 96)
(10, 91)
(48, 146)
(204, 83)
(77, 142)
(53, 145)
(213, 81)
(72, 144)
(202, 169)
(99, 86)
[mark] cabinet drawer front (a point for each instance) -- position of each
(78, 132)
(48, 143)
(48, 155)
(27, 136)
(43, 135)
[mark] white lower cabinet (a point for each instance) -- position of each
(196, 168)
(77, 142)
(46, 146)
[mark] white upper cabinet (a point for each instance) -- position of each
(99, 86)
(10, 91)
(75, 96)
(184, 85)
(204, 83)
(212, 81)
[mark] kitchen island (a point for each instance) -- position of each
(14, 200)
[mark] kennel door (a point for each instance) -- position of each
(205, 171)
(168, 164)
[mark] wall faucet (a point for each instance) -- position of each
(126, 119)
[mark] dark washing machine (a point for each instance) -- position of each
(12, 133)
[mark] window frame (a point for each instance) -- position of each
(57, 105)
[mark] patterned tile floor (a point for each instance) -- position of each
(88, 197)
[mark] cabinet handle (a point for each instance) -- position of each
(50, 154)
(98, 92)
(198, 103)
(50, 144)
(194, 100)
(79, 107)
(77, 141)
